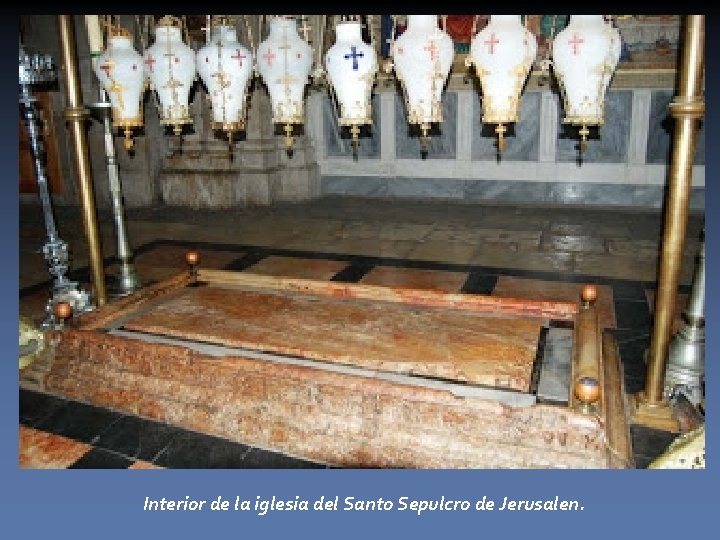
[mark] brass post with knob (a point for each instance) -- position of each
(192, 258)
(62, 311)
(587, 356)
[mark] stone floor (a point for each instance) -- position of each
(533, 252)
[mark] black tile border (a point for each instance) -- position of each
(35, 407)
(254, 253)
(353, 272)
(100, 458)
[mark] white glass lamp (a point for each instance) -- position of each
(284, 61)
(422, 58)
(351, 66)
(225, 67)
(503, 54)
(170, 66)
(119, 68)
(584, 56)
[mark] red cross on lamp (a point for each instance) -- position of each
(170, 66)
(584, 57)
(226, 73)
(422, 58)
(285, 70)
(503, 53)
(117, 72)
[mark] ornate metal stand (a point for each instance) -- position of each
(686, 358)
(39, 69)
(127, 280)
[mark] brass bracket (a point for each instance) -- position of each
(653, 415)
(76, 113)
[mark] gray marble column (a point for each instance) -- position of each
(639, 126)
(464, 125)
(547, 145)
(387, 126)
(314, 122)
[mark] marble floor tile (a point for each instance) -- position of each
(137, 438)
(99, 458)
(370, 247)
(42, 450)
(415, 278)
(139, 464)
(572, 242)
(617, 266)
(297, 267)
(439, 251)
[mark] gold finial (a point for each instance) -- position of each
(118, 31)
(500, 129)
(584, 132)
(171, 21)
(424, 138)
(288, 137)
(128, 143)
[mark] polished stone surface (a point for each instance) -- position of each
(521, 140)
(43, 450)
(415, 278)
(297, 267)
(554, 380)
(442, 135)
(505, 191)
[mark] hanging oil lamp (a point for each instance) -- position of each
(119, 69)
(170, 65)
(351, 66)
(422, 57)
(584, 57)
(225, 67)
(503, 53)
(284, 61)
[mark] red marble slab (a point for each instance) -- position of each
(42, 450)
(460, 345)
(537, 289)
(415, 278)
(298, 267)
(144, 465)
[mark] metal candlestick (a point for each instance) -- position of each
(40, 69)
(686, 357)
(127, 280)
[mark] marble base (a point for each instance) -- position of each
(516, 192)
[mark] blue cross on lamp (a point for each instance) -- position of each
(354, 55)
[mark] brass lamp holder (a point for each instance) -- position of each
(127, 279)
(289, 139)
(424, 139)
(35, 70)
(500, 130)
(584, 132)
(355, 141)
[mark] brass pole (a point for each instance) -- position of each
(76, 115)
(652, 409)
